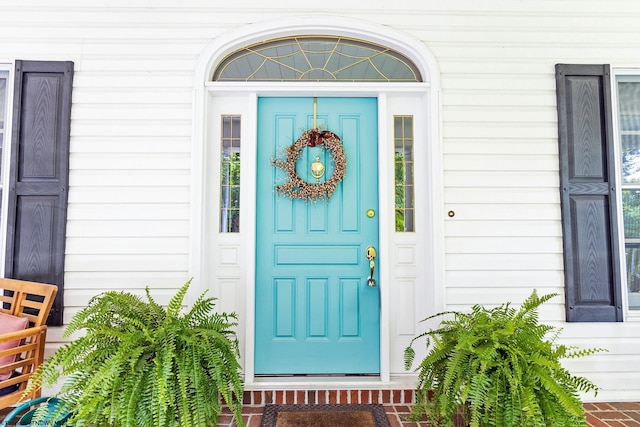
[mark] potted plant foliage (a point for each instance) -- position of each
(140, 364)
(498, 367)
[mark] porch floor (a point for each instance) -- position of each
(610, 414)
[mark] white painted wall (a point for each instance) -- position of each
(130, 201)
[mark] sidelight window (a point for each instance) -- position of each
(403, 165)
(230, 175)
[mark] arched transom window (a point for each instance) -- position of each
(317, 58)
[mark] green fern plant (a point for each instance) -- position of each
(498, 367)
(139, 364)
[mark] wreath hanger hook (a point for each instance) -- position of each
(315, 112)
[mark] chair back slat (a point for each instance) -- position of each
(33, 301)
(27, 299)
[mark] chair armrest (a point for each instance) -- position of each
(30, 349)
(25, 333)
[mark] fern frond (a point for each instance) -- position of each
(501, 366)
(409, 357)
(140, 365)
(175, 304)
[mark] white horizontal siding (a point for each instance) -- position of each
(496, 261)
(127, 211)
(501, 179)
(134, 246)
(510, 244)
(496, 227)
(135, 229)
(109, 195)
(119, 95)
(132, 125)
(520, 279)
(124, 261)
(502, 195)
(134, 178)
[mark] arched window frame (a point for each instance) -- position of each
(317, 58)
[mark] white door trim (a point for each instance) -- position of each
(236, 252)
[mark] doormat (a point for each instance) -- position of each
(324, 416)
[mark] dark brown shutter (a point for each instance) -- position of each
(588, 197)
(39, 175)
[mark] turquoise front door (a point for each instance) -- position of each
(315, 310)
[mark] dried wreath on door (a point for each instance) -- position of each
(296, 187)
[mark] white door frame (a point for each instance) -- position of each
(224, 263)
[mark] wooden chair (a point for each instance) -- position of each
(33, 301)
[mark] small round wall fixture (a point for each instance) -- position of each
(296, 187)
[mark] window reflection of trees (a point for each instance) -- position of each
(629, 122)
(230, 175)
(230, 194)
(632, 253)
(403, 170)
(399, 193)
(631, 159)
(631, 217)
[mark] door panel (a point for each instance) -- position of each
(315, 313)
